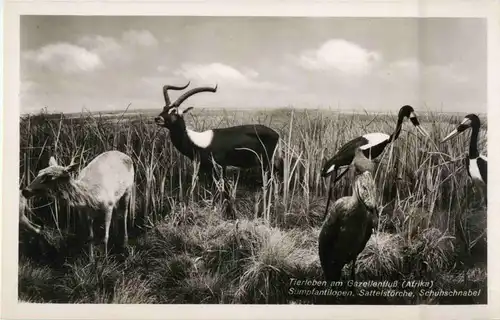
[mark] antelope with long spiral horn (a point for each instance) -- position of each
(244, 146)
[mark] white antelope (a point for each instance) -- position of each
(105, 184)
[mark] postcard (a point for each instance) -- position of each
(303, 163)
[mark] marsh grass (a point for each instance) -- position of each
(183, 250)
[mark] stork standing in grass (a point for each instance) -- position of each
(104, 185)
(372, 145)
(348, 227)
(477, 164)
(244, 146)
(477, 169)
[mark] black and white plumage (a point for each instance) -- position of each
(348, 227)
(477, 164)
(371, 144)
(244, 146)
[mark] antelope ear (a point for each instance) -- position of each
(187, 110)
(52, 161)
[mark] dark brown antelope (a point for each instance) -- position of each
(104, 185)
(244, 146)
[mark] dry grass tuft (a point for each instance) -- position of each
(382, 256)
(431, 251)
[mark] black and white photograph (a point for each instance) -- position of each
(252, 160)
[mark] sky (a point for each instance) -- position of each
(99, 63)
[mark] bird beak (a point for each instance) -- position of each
(451, 135)
(422, 131)
(416, 123)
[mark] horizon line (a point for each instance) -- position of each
(248, 109)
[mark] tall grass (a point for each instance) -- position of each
(429, 223)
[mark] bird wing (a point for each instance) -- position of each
(328, 237)
(374, 139)
(333, 222)
(344, 155)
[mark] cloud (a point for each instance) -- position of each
(213, 71)
(142, 38)
(91, 52)
(64, 57)
(224, 74)
(340, 55)
(104, 46)
(119, 50)
(415, 70)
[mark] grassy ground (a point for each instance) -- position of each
(432, 226)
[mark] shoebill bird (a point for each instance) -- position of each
(348, 226)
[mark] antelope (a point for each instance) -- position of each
(372, 145)
(23, 220)
(243, 146)
(348, 227)
(104, 185)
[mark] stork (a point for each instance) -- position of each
(372, 145)
(477, 164)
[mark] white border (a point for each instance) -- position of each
(11, 309)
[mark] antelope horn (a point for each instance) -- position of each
(191, 92)
(169, 87)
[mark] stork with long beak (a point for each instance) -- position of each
(477, 164)
(372, 145)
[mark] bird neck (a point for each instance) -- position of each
(473, 152)
(397, 131)
(357, 197)
(359, 200)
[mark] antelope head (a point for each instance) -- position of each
(48, 179)
(172, 115)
